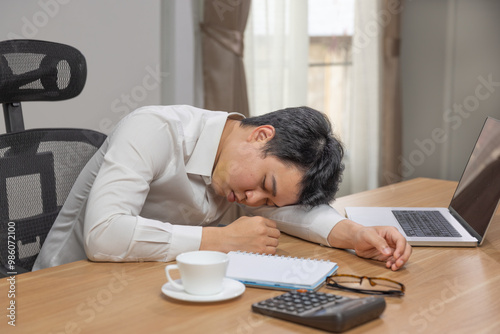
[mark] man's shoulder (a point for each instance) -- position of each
(155, 115)
(184, 120)
(174, 111)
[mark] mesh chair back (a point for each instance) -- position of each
(32, 70)
(37, 171)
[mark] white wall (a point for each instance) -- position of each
(120, 40)
(449, 49)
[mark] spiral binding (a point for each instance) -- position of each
(281, 256)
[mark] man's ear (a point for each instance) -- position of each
(262, 133)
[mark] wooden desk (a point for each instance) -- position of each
(449, 290)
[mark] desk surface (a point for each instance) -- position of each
(453, 290)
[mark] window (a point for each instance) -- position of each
(330, 29)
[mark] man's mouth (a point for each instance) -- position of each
(231, 197)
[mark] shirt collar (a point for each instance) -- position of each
(202, 159)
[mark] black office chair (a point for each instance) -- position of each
(37, 166)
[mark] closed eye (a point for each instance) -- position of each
(273, 191)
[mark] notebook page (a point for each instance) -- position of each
(281, 269)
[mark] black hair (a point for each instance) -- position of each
(304, 139)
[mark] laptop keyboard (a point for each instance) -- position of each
(425, 224)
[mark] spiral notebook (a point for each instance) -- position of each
(279, 272)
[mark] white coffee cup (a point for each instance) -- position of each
(202, 272)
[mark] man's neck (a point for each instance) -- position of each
(229, 134)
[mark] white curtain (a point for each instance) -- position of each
(276, 55)
(362, 167)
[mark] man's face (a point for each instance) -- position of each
(244, 176)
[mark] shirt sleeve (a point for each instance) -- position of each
(312, 224)
(140, 149)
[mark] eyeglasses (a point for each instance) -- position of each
(371, 286)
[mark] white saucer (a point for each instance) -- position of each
(232, 289)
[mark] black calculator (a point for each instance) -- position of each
(325, 311)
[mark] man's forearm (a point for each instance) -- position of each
(343, 234)
(313, 225)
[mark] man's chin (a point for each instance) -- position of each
(216, 191)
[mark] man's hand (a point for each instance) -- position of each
(382, 243)
(251, 234)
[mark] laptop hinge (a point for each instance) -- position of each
(465, 225)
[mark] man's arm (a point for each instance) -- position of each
(382, 243)
(324, 225)
(114, 229)
(251, 234)
(312, 224)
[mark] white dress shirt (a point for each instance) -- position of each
(145, 195)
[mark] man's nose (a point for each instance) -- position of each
(254, 198)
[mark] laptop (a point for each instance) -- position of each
(471, 210)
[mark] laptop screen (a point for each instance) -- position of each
(478, 192)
